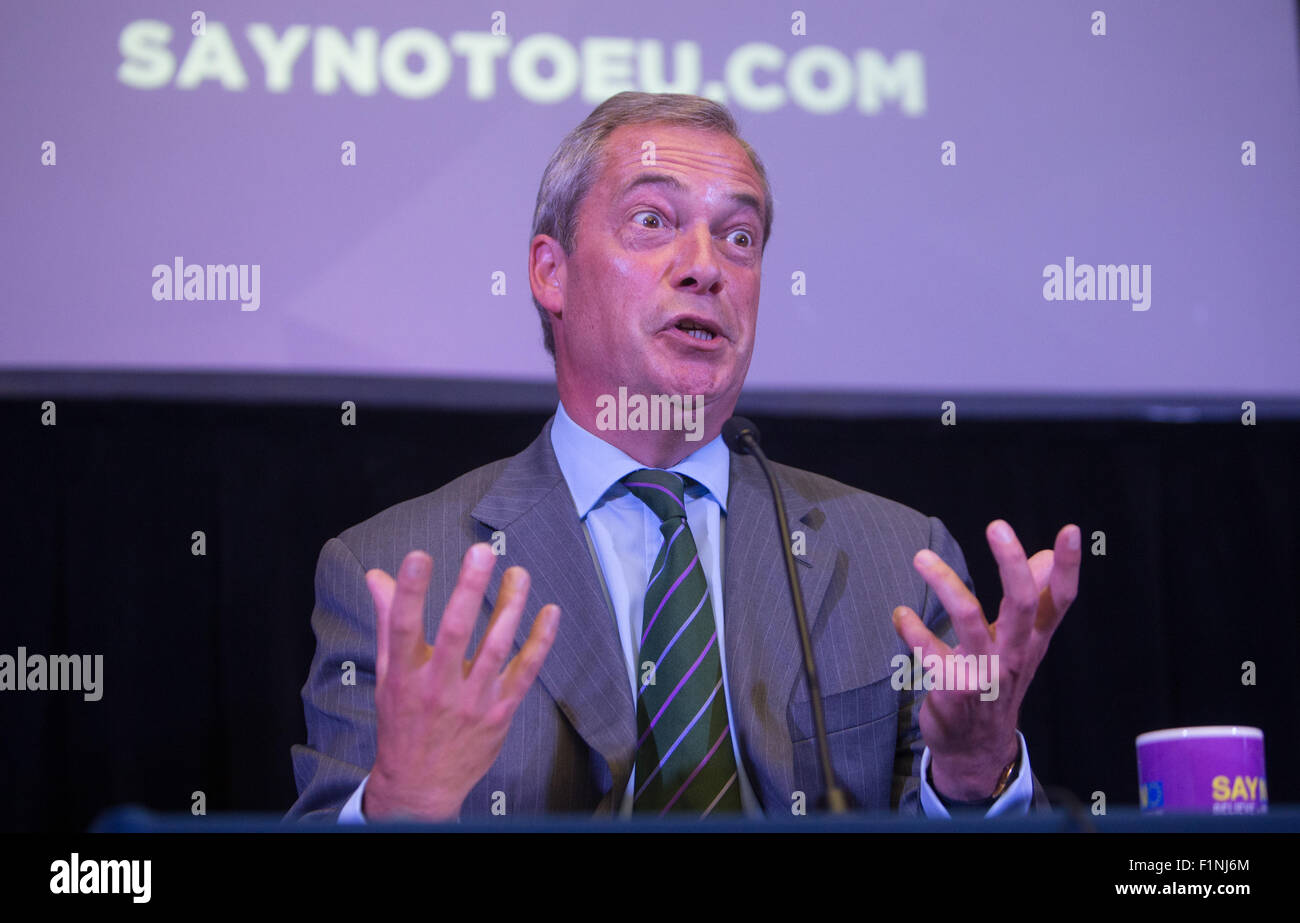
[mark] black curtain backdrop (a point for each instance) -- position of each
(204, 657)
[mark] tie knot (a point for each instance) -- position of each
(663, 491)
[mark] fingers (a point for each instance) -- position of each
(912, 630)
(1063, 584)
(528, 662)
(406, 646)
(1056, 578)
(1019, 591)
(1040, 565)
(381, 588)
(463, 607)
(500, 636)
(958, 601)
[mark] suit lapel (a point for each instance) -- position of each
(764, 657)
(585, 671)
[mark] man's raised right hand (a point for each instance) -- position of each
(442, 719)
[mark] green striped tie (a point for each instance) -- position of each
(684, 756)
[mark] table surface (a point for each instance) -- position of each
(1279, 819)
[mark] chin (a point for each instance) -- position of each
(692, 379)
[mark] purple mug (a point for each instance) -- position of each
(1212, 770)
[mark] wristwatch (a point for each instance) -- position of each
(1004, 783)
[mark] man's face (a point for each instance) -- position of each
(662, 248)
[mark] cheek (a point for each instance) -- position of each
(749, 314)
(624, 283)
(624, 292)
(620, 267)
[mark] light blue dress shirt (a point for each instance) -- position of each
(625, 539)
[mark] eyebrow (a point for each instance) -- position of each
(742, 199)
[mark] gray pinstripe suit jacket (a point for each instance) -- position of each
(570, 746)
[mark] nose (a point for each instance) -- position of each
(698, 267)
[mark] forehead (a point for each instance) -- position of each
(692, 155)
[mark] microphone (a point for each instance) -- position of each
(741, 437)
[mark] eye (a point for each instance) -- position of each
(654, 216)
(748, 241)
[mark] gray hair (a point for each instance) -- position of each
(577, 162)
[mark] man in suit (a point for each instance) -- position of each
(672, 681)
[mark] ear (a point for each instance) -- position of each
(547, 273)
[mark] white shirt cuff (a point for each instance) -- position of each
(351, 813)
(1015, 800)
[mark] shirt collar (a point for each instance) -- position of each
(591, 466)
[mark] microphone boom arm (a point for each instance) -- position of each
(836, 800)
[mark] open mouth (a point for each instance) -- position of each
(697, 330)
